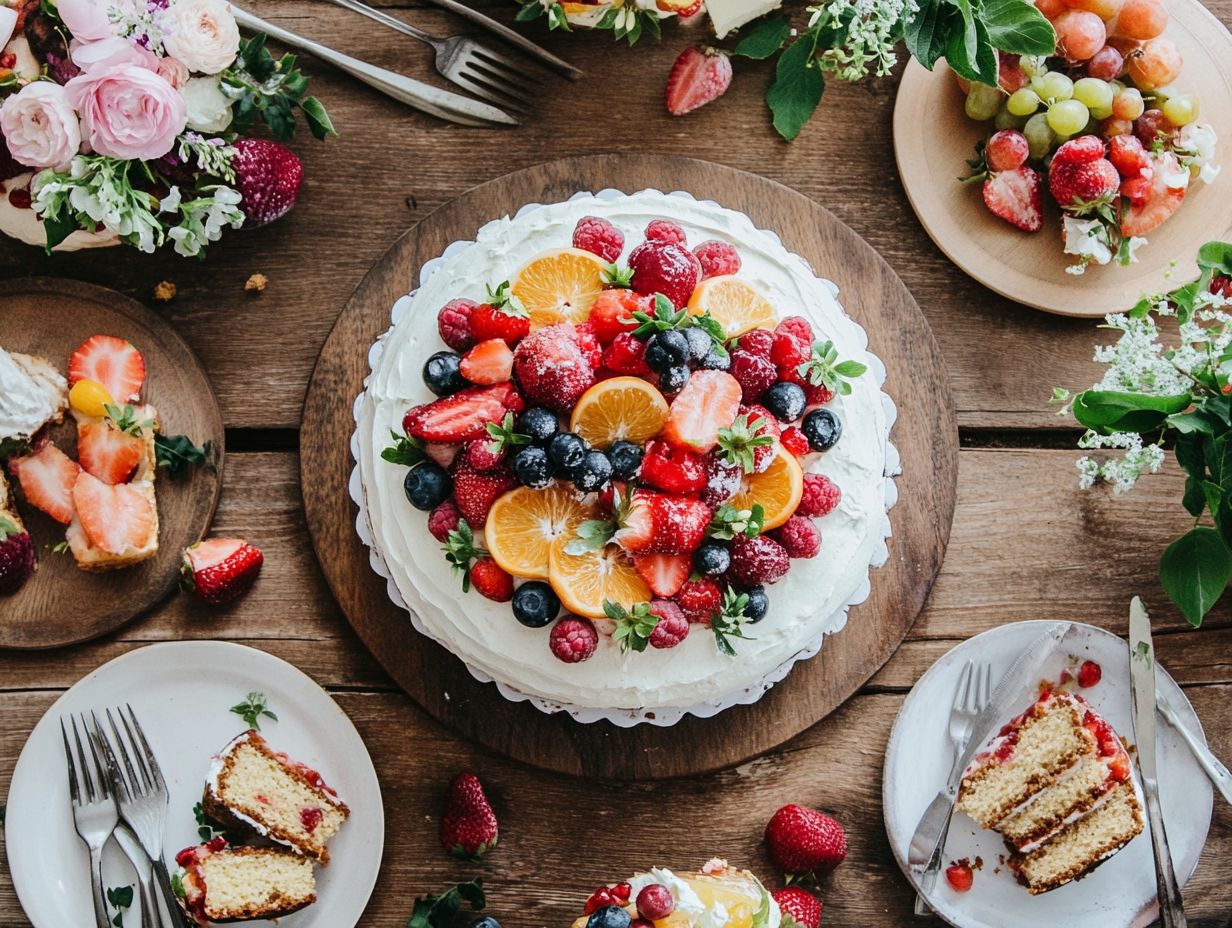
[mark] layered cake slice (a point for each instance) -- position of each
(252, 789)
(1055, 784)
(234, 884)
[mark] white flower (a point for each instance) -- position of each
(201, 34)
(171, 202)
(209, 109)
(1195, 144)
(1088, 239)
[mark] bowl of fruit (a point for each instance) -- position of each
(1084, 176)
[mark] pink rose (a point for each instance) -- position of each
(104, 53)
(40, 126)
(128, 112)
(89, 20)
(202, 34)
(173, 72)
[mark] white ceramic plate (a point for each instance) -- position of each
(1118, 894)
(182, 693)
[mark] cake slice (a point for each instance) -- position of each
(717, 896)
(252, 789)
(217, 883)
(33, 395)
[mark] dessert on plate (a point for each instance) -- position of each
(1056, 784)
(625, 453)
(234, 884)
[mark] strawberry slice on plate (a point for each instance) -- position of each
(1015, 197)
(111, 361)
(1150, 198)
(220, 569)
(108, 453)
(118, 519)
(698, 76)
(665, 574)
(464, 416)
(46, 480)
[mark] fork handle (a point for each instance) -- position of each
(96, 886)
(386, 20)
(163, 879)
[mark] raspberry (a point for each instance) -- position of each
(1089, 674)
(660, 267)
(794, 441)
(717, 258)
(454, 323)
(553, 369)
(820, 496)
(700, 599)
(626, 355)
(797, 326)
(662, 230)
(490, 580)
(790, 350)
(799, 537)
(573, 640)
(759, 342)
(673, 626)
(814, 394)
(757, 560)
(599, 237)
(754, 373)
(443, 520)
(676, 470)
(722, 481)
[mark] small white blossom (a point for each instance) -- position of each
(1195, 146)
(869, 36)
(1088, 239)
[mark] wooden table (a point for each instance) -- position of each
(1026, 542)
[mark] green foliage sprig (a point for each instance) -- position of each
(274, 88)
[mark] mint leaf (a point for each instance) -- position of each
(253, 709)
(764, 38)
(797, 88)
(1017, 26)
(406, 450)
(633, 626)
(440, 911)
(1194, 571)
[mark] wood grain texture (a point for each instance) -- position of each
(924, 434)
(61, 604)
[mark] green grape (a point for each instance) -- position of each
(1181, 110)
(1007, 120)
(1039, 135)
(1100, 112)
(1068, 117)
(1033, 64)
(1056, 87)
(983, 102)
(1023, 102)
(1094, 94)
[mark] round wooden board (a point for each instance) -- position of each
(933, 138)
(926, 436)
(62, 605)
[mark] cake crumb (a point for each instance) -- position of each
(256, 283)
(164, 291)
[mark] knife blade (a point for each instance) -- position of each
(1211, 764)
(1023, 673)
(1142, 690)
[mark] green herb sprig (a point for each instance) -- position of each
(120, 898)
(441, 911)
(178, 454)
(633, 626)
(273, 88)
(253, 709)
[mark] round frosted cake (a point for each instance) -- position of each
(625, 455)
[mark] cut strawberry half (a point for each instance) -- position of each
(109, 454)
(708, 403)
(657, 523)
(118, 519)
(665, 574)
(464, 416)
(111, 361)
(1015, 197)
(698, 76)
(220, 569)
(46, 480)
(488, 363)
(1149, 203)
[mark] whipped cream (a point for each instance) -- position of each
(25, 405)
(809, 602)
(690, 905)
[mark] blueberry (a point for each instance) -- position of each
(610, 916)
(674, 378)
(823, 429)
(485, 921)
(626, 458)
(758, 605)
(656, 356)
(565, 452)
(531, 467)
(443, 373)
(712, 559)
(594, 471)
(715, 360)
(539, 423)
(785, 400)
(427, 486)
(699, 341)
(675, 344)
(535, 604)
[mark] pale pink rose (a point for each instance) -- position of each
(90, 20)
(105, 53)
(201, 33)
(173, 72)
(128, 112)
(40, 126)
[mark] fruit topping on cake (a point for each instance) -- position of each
(46, 480)
(233, 884)
(717, 896)
(32, 396)
(16, 549)
(112, 363)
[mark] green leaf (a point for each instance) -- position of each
(530, 10)
(1187, 422)
(970, 53)
(406, 450)
(764, 38)
(1216, 257)
(1194, 498)
(591, 535)
(1108, 411)
(120, 896)
(1019, 27)
(253, 709)
(928, 30)
(1194, 571)
(461, 551)
(797, 88)
(58, 228)
(440, 911)
(319, 122)
(178, 454)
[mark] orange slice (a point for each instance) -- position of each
(625, 408)
(584, 581)
(737, 306)
(560, 286)
(778, 490)
(524, 524)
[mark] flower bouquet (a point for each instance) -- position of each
(123, 121)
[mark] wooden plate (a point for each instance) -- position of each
(926, 436)
(933, 138)
(62, 605)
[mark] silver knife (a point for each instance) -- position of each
(1142, 687)
(443, 103)
(1206, 760)
(1023, 674)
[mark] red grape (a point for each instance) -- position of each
(1106, 64)
(1079, 34)
(1151, 125)
(1141, 19)
(1111, 127)
(1104, 9)
(1007, 150)
(1155, 65)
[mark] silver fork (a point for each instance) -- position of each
(973, 693)
(94, 810)
(141, 793)
(471, 65)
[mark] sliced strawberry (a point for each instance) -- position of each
(665, 574)
(657, 523)
(109, 454)
(47, 480)
(709, 402)
(1151, 202)
(698, 76)
(488, 363)
(111, 361)
(612, 313)
(463, 416)
(220, 569)
(118, 519)
(1015, 197)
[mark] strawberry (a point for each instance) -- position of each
(701, 599)
(612, 313)
(492, 321)
(800, 909)
(268, 176)
(1081, 186)
(552, 368)
(673, 469)
(723, 479)
(698, 76)
(667, 268)
(488, 363)
(109, 453)
(483, 454)
(490, 580)
(47, 480)
(1015, 197)
(111, 361)
(475, 492)
(118, 519)
(626, 355)
(708, 404)
(803, 841)
(795, 441)
(468, 824)
(1128, 155)
(16, 556)
(657, 523)
(220, 569)
(960, 876)
(1151, 203)
(464, 416)
(665, 574)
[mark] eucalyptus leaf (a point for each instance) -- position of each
(797, 88)
(1194, 571)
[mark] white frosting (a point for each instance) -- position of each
(729, 15)
(809, 602)
(25, 407)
